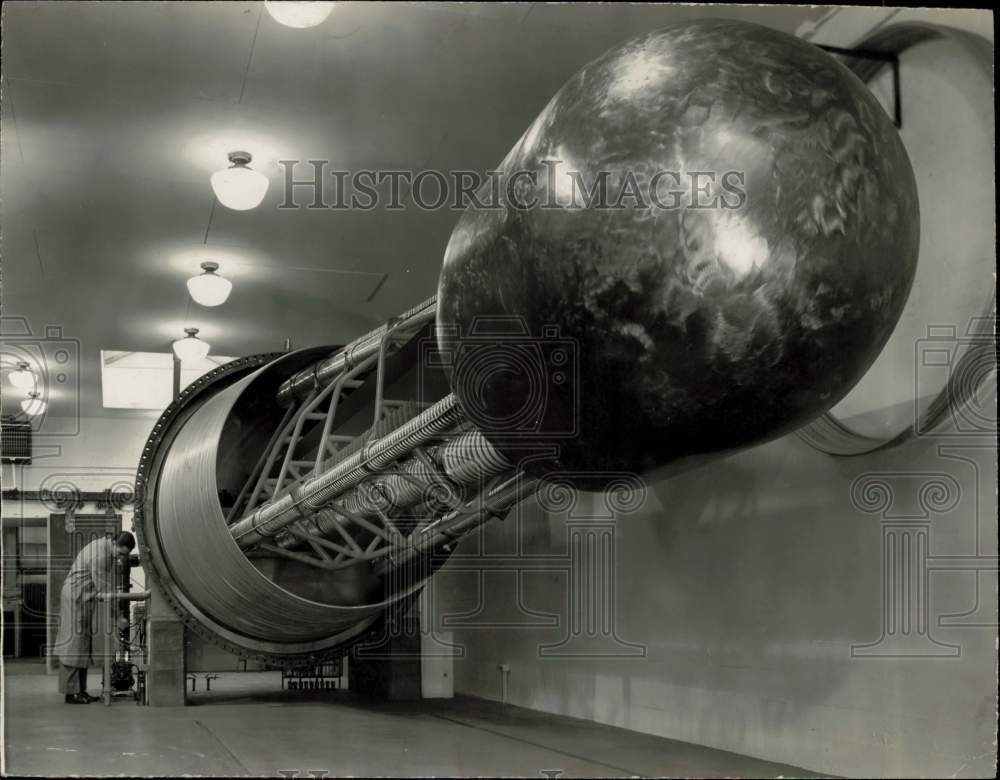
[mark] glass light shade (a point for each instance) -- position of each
(22, 378)
(239, 188)
(191, 348)
(33, 405)
(294, 14)
(209, 289)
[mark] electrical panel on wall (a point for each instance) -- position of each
(16, 441)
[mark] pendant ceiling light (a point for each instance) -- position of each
(22, 377)
(208, 288)
(191, 348)
(33, 405)
(239, 186)
(295, 14)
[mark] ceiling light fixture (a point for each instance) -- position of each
(22, 377)
(191, 348)
(208, 288)
(239, 186)
(296, 14)
(33, 405)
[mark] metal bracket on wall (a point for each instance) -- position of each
(877, 59)
(971, 374)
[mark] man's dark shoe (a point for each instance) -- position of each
(77, 698)
(90, 698)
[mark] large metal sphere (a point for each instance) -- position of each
(610, 339)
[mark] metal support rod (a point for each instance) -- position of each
(136, 595)
(467, 461)
(394, 534)
(284, 438)
(864, 54)
(392, 327)
(459, 522)
(446, 488)
(300, 557)
(322, 450)
(397, 551)
(267, 457)
(110, 629)
(318, 562)
(176, 375)
(300, 420)
(314, 520)
(302, 500)
(321, 541)
(331, 412)
(373, 529)
(328, 369)
(383, 349)
(333, 391)
(871, 55)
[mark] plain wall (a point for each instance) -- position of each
(751, 585)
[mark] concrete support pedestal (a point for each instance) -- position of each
(388, 666)
(165, 675)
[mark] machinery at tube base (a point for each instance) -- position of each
(124, 650)
(292, 503)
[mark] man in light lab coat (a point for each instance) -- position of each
(92, 572)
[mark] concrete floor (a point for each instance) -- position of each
(247, 726)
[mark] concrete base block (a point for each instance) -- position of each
(165, 674)
(388, 667)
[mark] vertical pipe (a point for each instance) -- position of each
(504, 681)
(176, 374)
(110, 607)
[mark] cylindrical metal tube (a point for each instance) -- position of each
(465, 460)
(135, 595)
(264, 606)
(470, 458)
(400, 488)
(199, 546)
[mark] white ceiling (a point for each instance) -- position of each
(114, 115)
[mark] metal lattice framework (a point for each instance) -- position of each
(417, 480)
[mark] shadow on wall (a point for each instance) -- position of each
(766, 561)
(748, 584)
(765, 544)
